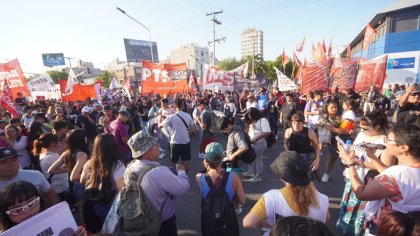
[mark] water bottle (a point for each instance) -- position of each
(347, 147)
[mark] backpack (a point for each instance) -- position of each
(218, 215)
(249, 155)
(216, 121)
(137, 214)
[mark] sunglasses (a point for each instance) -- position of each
(387, 140)
(364, 128)
(22, 209)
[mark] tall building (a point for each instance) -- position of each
(192, 54)
(252, 42)
(398, 36)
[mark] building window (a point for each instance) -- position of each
(402, 25)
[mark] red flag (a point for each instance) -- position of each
(7, 101)
(299, 47)
(191, 83)
(321, 50)
(348, 51)
(371, 72)
(284, 59)
(369, 33)
(298, 50)
(329, 53)
(127, 84)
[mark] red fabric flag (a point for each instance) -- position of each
(12, 72)
(80, 92)
(329, 52)
(284, 59)
(7, 101)
(321, 51)
(369, 34)
(343, 73)
(314, 76)
(299, 47)
(371, 72)
(191, 83)
(298, 50)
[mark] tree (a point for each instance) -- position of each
(229, 64)
(55, 75)
(106, 78)
(260, 66)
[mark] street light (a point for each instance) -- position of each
(150, 35)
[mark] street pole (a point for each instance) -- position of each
(215, 21)
(150, 34)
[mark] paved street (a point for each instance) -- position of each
(189, 209)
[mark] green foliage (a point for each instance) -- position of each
(106, 78)
(228, 64)
(56, 74)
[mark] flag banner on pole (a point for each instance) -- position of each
(329, 52)
(371, 72)
(343, 73)
(284, 59)
(114, 83)
(191, 83)
(6, 99)
(369, 33)
(297, 53)
(284, 83)
(71, 81)
(315, 76)
(164, 78)
(79, 92)
(214, 78)
(13, 74)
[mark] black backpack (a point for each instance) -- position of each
(249, 155)
(218, 215)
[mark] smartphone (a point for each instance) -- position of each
(340, 141)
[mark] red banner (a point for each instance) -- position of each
(164, 78)
(371, 72)
(80, 92)
(343, 73)
(13, 74)
(314, 76)
(7, 101)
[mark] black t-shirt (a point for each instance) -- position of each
(407, 114)
(272, 108)
(90, 128)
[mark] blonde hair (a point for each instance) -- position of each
(304, 196)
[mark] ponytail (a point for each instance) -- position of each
(45, 142)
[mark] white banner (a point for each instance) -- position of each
(223, 80)
(284, 83)
(41, 83)
(56, 220)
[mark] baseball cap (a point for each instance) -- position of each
(124, 113)
(292, 168)
(140, 143)
(96, 104)
(7, 152)
(214, 152)
(86, 109)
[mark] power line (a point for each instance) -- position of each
(215, 21)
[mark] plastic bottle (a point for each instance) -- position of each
(347, 147)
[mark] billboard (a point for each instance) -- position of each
(401, 63)
(139, 50)
(53, 59)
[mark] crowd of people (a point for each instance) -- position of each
(101, 155)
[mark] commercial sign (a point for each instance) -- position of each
(401, 63)
(139, 50)
(53, 59)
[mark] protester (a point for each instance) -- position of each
(302, 140)
(259, 129)
(19, 201)
(288, 109)
(18, 143)
(180, 125)
(396, 187)
(46, 147)
(297, 225)
(409, 106)
(373, 130)
(74, 158)
(119, 129)
(395, 223)
(205, 122)
(161, 186)
(103, 175)
(299, 197)
(215, 178)
(11, 172)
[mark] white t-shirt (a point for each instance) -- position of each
(176, 128)
(275, 203)
(349, 115)
(32, 176)
(259, 127)
(251, 104)
(360, 152)
(20, 147)
(117, 173)
(59, 182)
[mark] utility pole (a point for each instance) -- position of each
(215, 21)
